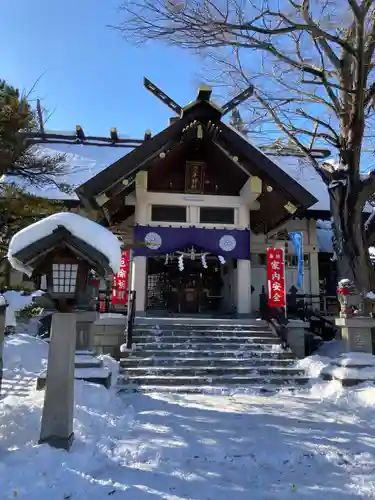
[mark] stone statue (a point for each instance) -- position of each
(351, 301)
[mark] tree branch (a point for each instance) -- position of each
(319, 36)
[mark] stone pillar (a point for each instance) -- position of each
(356, 333)
(3, 306)
(85, 334)
(58, 410)
(243, 287)
(244, 267)
(314, 274)
(140, 275)
(296, 337)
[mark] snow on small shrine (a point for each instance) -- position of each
(86, 230)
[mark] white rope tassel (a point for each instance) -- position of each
(221, 259)
(166, 259)
(204, 262)
(181, 262)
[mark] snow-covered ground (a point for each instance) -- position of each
(316, 444)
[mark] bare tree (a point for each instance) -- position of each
(312, 67)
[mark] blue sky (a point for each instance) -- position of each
(91, 76)
(88, 74)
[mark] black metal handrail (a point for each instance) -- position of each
(275, 318)
(300, 306)
(130, 319)
(322, 304)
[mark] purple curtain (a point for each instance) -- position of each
(230, 243)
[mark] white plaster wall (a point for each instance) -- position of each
(259, 245)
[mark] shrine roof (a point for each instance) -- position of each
(85, 162)
(220, 134)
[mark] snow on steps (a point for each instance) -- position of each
(86, 367)
(178, 357)
(351, 369)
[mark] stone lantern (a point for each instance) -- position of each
(65, 261)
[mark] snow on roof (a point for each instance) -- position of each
(83, 162)
(86, 230)
(305, 174)
(300, 171)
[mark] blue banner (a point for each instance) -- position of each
(297, 241)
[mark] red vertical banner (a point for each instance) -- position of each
(102, 302)
(121, 280)
(276, 277)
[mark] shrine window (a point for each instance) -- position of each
(168, 213)
(216, 215)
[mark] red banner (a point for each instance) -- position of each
(121, 280)
(102, 302)
(276, 277)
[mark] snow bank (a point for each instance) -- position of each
(17, 300)
(330, 362)
(315, 364)
(25, 357)
(352, 366)
(343, 372)
(86, 230)
(356, 359)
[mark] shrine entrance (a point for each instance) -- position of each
(189, 286)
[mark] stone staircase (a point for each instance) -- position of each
(196, 357)
(86, 367)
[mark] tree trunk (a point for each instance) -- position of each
(349, 238)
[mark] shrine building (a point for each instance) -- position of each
(199, 204)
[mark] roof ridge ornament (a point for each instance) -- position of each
(204, 95)
(151, 87)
